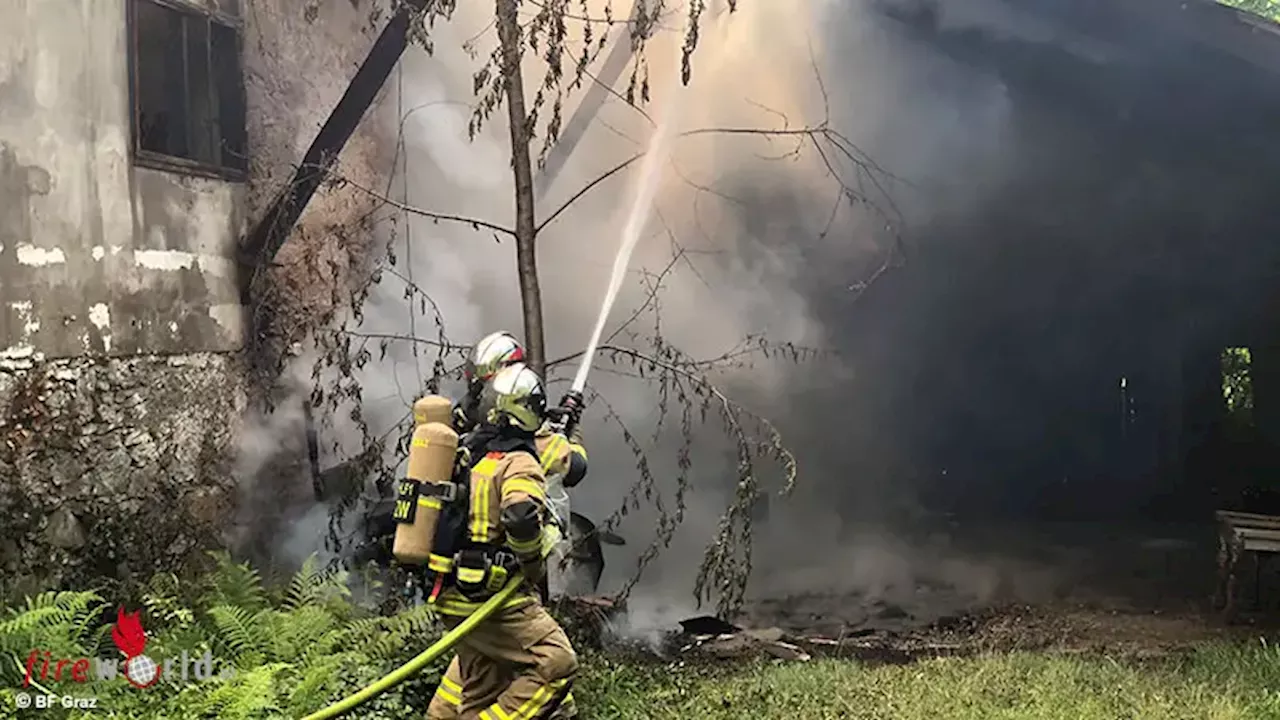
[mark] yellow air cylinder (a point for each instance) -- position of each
(431, 455)
(433, 409)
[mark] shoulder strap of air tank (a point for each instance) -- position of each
(509, 445)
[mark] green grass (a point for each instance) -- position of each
(301, 646)
(1213, 683)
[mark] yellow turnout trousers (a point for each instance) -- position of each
(516, 665)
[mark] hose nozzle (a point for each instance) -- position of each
(565, 417)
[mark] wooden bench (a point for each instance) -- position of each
(1241, 534)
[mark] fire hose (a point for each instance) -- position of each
(444, 644)
(441, 646)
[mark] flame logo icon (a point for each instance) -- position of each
(128, 635)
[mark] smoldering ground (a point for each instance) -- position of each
(881, 434)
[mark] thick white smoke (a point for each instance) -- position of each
(750, 216)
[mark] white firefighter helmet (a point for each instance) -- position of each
(494, 352)
(514, 396)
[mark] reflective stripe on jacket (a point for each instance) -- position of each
(498, 481)
(554, 455)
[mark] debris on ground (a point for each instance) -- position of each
(746, 644)
(708, 625)
(1067, 629)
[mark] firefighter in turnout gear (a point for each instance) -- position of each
(564, 463)
(563, 458)
(559, 441)
(518, 663)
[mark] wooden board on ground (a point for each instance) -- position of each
(1242, 535)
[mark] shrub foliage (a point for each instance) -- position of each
(291, 650)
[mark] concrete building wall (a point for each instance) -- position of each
(97, 255)
(121, 388)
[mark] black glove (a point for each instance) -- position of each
(461, 423)
(572, 404)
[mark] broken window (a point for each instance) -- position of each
(188, 87)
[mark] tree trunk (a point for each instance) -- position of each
(526, 245)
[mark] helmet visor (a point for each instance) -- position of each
(515, 397)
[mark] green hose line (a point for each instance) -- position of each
(410, 668)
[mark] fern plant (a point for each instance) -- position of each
(312, 586)
(65, 624)
(234, 584)
(294, 648)
(164, 603)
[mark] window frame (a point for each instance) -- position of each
(174, 163)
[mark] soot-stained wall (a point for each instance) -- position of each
(122, 388)
(119, 387)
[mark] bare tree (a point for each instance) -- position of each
(684, 385)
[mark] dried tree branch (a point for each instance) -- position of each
(588, 188)
(823, 139)
(674, 376)
(475, 223)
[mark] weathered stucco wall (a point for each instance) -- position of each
(96, 255)
(120, 391)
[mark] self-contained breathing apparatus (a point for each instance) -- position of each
(441, 511)
(435, 509)
(479, 569)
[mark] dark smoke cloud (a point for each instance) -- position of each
(1043, 180)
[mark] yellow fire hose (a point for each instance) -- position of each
(441, 646)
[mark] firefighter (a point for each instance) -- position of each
(519, 662)
(559, 441)
(501, 349)
(563, 460)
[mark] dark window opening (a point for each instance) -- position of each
(1237, 386)
(188, 88)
